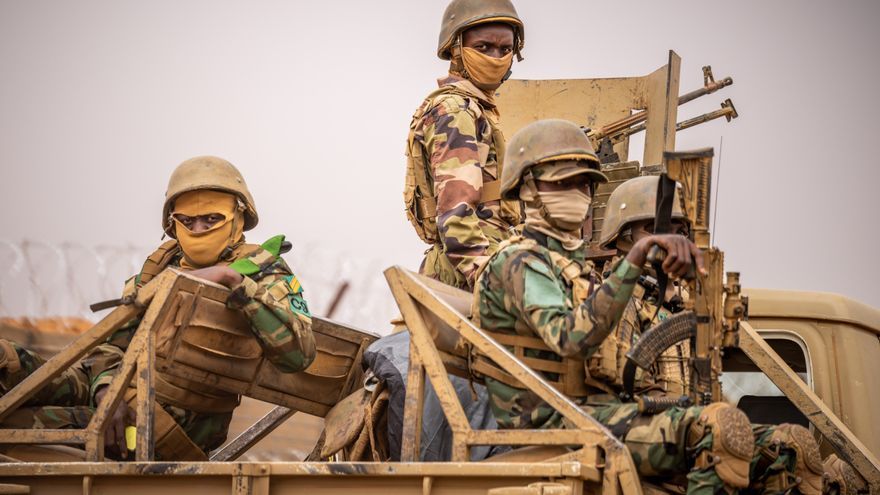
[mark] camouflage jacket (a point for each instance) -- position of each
(457, 131)
(272, 299)
(523, 292)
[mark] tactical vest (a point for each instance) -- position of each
(418, 192)
(215, 336)
(606, 365)
(572, 378)
(602, 372)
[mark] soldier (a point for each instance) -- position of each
(207, 209)
(455, 147)
(786, 455)
(540, 284)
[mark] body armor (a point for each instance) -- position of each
(418, 193)
(207, 355)
(571, 375)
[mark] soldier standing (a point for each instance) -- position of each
(207, 209)
(540, 285)
(786, 455)
(455, 147)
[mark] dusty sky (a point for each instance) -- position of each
(100, 100)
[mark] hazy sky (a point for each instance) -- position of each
(100, 100)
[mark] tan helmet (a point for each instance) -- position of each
(545, 141)
(633, 201)
(208, 172)
(462, 14)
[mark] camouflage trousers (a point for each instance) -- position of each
(65, 403)
(660, 444)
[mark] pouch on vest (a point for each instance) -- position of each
(209, 350)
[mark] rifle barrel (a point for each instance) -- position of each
(625, 125)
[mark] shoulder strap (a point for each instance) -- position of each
(157, 261)
(576, 275)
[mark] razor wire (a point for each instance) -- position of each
(57, 280)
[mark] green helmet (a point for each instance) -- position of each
(462, 14)
(546, 141)
(633, 201)
(209, 172)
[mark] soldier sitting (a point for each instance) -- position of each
(540, 284)
(786, 455)
(207, 209)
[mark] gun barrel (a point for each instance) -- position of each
(705, 90)
(727, 111)
(624, 127)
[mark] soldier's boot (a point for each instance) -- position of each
(840, 478)
(721, 442)
(797, 463)
(773, 464)
(712, 445)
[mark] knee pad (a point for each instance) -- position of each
(809, 468)
(732, 443)
(841, 478)
(9, 357)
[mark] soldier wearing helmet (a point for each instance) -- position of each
(785, 456)
(455, 148)
(207, 209)
(540, 284)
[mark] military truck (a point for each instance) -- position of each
(790, 356)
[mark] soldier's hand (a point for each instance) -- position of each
(681, 253)
(114, 435)
(219, 274)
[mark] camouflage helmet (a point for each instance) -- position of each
(633, 201)
(546, 141)
(462, 14)
(209, 172)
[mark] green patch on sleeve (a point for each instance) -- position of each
(540, 287)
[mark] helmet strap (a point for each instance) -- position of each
(517, 43)
(169, 225)
(456, 63)
(529, 181)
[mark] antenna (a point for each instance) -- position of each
(717, 189)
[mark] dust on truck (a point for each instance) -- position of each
(800, 357)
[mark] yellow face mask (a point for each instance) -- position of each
(487, 73)
(201, 249)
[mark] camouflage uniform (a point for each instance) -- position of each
(456, 130)
(782, 453)
(272, 299)
(774, 462)
(523, 292)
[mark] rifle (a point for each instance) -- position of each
(717, 304)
